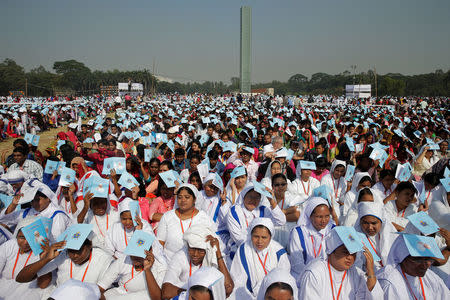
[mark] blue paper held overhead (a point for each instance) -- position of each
(366, 243)
(261, 189)
(67, 177)
(135, 211)
(35, 234)
(350, 238)
(349, 172)
(422, 246)
(75, 236)
(424, 223)
(140, 242)
(169, 178)
(127, 181)
(116, 163)
(325, 192)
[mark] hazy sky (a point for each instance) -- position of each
(199, 40)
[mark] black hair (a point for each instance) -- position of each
(185, 188)
(363, 192)
(21, 150)
(321, 162)
(201, 289)
(386, 172)
(278, 175)
(365, 178)
(405, 185)
(281, 286)
(212, 154)
(431, 178)
(155, 160)
(179, 152)
(167, 163)
(21, 143)
(261, 226)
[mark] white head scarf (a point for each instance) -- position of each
(24, 222)
(74, 289)
(333, 241)
(398, 252)
(16, 176)
(195, 237)
(191, 187)
(210, 278)
(274, 276)
(124, 205)
(310, 205)
(336, 163)
(266, 222)
(269, 169)
(356, 179)
(247, 188)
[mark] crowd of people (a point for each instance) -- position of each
(200, 197)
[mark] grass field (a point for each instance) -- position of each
(45, 139)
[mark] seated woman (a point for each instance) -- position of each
(67, 199)
(236, 184)
(41, 206)
(400, 204)
(206, 283)
(336, 182)
(307, 241)
(215, 205)
(360, 180)
(174, 223)
(274, 167)
(337, 277)
(247, 208)
(364, 195)
(379, 232)
(304, 185)
(201, 249)
(80, 262)
(138, 277)
(407, 274)
(256, 258)
(160, 205)
(119, 234)
(386, 184)
(98, 212)
(16, 254)
(289, 205)
(278, 284)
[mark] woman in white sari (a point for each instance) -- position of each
(256, 258)
(360, 180)
(407, 275)
(379, 231)
(336, 182)
(307, 241)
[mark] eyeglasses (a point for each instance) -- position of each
(280, 184)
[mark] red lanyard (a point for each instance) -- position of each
(428, 196)
(190, 268)
(314, 247)
(263, 265)
(336, 190)
(381, 262)
(403, 214)
(125, 237)
(331, 280)
(95, 217)
(410, 289)
(132, 276)
(15, 263)
(85, 271)
(306, 192)
(181, 223)
(282, 204)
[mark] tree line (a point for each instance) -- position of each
(76, 78)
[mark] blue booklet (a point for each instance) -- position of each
(35, 234)
(349, 172)
(117, 163)
(127, 181)
(75, 236)
(52, 165)
(424, 223)
(366, 243)
(135, 210)
(139, 243)
(67, 177)
(148, 154)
